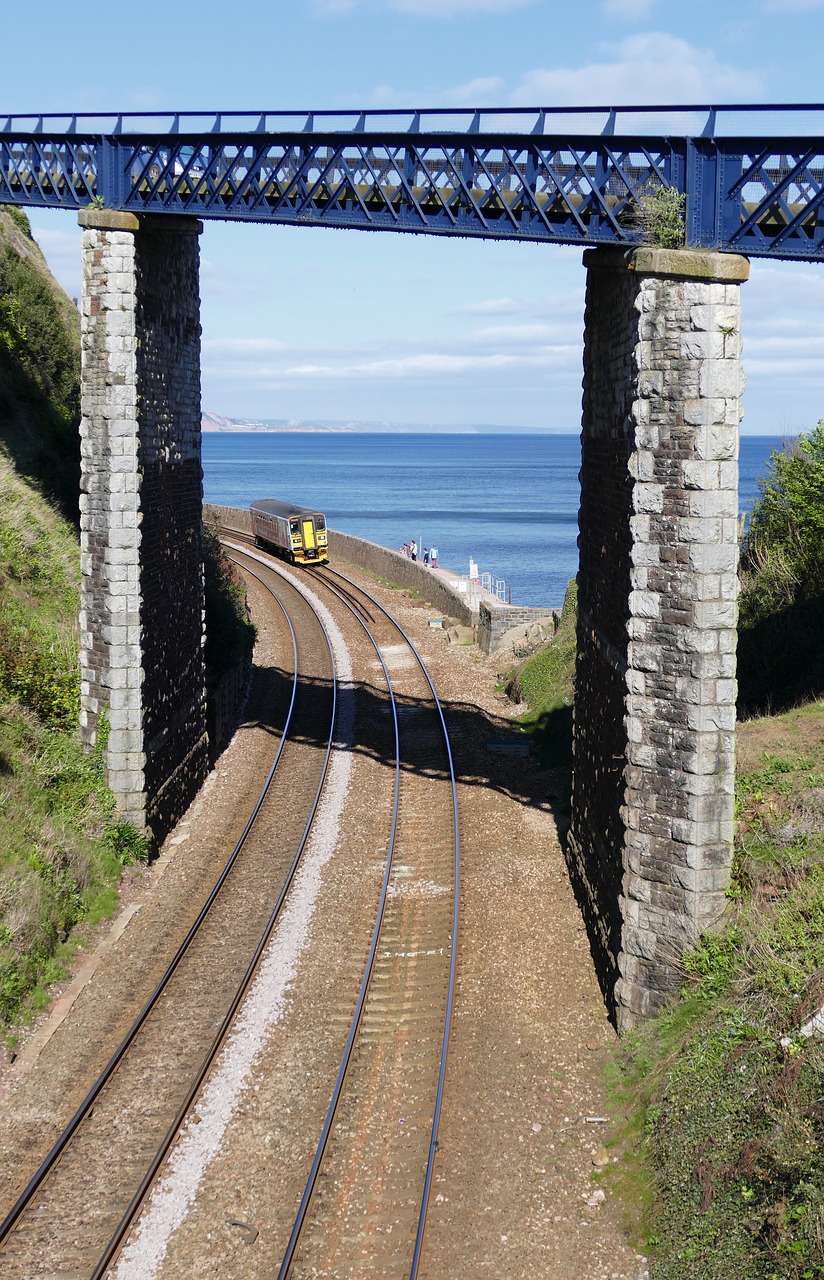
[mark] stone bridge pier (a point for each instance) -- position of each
(143, 701)
(654, 734)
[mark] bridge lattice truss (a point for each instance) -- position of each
(505, 175)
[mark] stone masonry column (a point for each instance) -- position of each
(141, 622)
(653, 754)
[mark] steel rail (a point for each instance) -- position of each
(87, 1105)
(340, 1080)
(242, 536)
(300, 1219)
(118, 1237)
(433, 1143)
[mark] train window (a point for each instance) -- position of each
(320, 523)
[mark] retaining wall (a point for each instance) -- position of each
(493, 623)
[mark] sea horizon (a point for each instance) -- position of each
(507, 500)
(212, 423)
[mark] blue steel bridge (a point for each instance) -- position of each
(752, 176)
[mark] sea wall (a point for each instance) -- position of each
(396, 568)
(386, 564)
(232, 517)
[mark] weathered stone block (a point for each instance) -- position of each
(715, 318)
(701, 412)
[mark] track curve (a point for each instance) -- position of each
(76, 1209)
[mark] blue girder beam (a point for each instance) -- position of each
(753, 177)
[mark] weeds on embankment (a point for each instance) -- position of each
(63, 847)
(723, 1093)
(545, 683)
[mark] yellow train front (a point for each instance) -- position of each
(296, 533)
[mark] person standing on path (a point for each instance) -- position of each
(433, 557)
(413, 549)
(426, 556)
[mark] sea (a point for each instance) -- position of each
(508, 502)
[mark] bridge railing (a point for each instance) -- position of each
(748, 120)
(485, 173)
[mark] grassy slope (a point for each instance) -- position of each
(724, 1096)
(39, 367)
(544, 682)
(722, 1165)
(62, 848)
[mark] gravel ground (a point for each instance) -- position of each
(514, 1193)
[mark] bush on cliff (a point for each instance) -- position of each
(780, 655)
(39, 367)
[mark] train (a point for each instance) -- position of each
(298, 534)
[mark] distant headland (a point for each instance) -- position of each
(215, 422)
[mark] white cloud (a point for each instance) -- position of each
(491, 307)
(650, 67)
(425, 365)
(627, 10)
(455, 8)
(426, 8)
(475, 93)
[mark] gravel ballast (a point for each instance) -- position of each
(514, 1193)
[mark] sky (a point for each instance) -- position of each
(314, 323)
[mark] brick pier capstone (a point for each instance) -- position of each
(652, 808)
(141, 622)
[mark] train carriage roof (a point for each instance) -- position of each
(272, 507)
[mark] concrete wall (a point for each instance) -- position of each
(141, 494)
(653, 770)
(389, 565)
(396, 568)
(233, 517)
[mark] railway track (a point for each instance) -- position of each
(74, 1213)
(358, 1207)
(363, 1208)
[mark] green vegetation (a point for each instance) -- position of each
(39, 581)
(63, 846)
(781, 658)
(229, 630)
(63, 851)
(39, 367)
(545, 683)
(723, 1094)
(662, 218)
